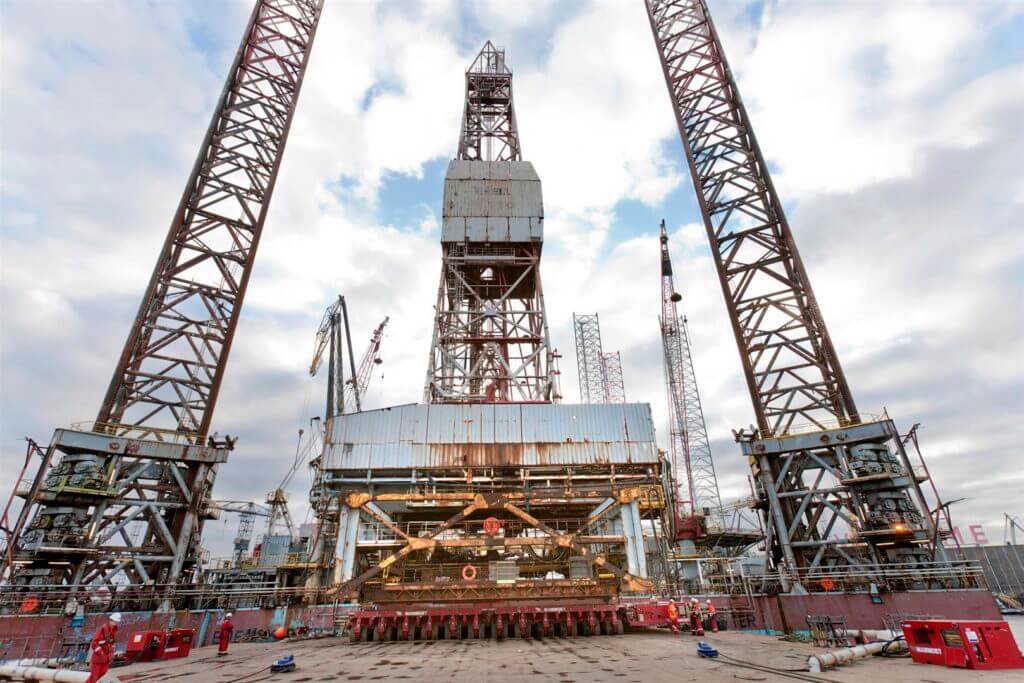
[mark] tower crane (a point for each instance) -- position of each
(147, 461)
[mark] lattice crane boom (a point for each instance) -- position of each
(172, 366)
(823, 473)
(688, 435)
(356, 387)
(166, 382)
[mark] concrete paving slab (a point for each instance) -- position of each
(642, 657)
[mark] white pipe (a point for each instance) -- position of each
(826, 660)
(865, 635)
(13, 672)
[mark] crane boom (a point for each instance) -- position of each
(170, 372)
(823, 473)
(355, 387)
(148, 460)
(688, 434)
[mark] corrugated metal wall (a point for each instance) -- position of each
(492, 201)
(439, 435)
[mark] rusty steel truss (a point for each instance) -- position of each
(489, 129)
(845, 495)
(125, 501)
(692, 465)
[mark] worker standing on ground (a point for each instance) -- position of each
(102, 648)
(226, 629)
(712, 619)
(673, 616)
(696, 618)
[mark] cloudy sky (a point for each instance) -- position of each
(893, 130)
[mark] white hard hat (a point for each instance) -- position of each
(115, 617)
(229, 614)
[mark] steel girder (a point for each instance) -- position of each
(688, 434)
(139, 512)
(516, 505)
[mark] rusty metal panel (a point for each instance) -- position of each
(639, 424)
(460, 435)
(454, 229)
(479, 170)
(441, 425)
(497, 229)
(414, 423)
(522, 170)
(519, 229)
(361, 457)
(508, 424)
(468, 423)
(525, 199)
(536, 229)
(501, 170)
(458, 169)
(476, 229)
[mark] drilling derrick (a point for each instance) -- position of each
(490, 509)
(600, 373)
(148, 458)
(836, 489)
(490, 339)
(692, 466)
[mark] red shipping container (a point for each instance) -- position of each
(144, 646)
(178, 643)
(965, 644)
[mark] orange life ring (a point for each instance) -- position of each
(827, 584)
(469, 572)
(30, 604)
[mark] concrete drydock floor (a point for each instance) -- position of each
(642, 657)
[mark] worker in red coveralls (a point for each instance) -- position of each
(102, 648)
(696, 618)
(226, 629)
(673, 616)
(712, 619)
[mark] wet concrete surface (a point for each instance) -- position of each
(642, 657)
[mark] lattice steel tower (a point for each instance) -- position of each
(600, 373)
(148, 459)
(490, 341)
(837, 490)
(692, 466)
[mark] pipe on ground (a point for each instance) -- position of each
(16, 672)
(833, 658)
